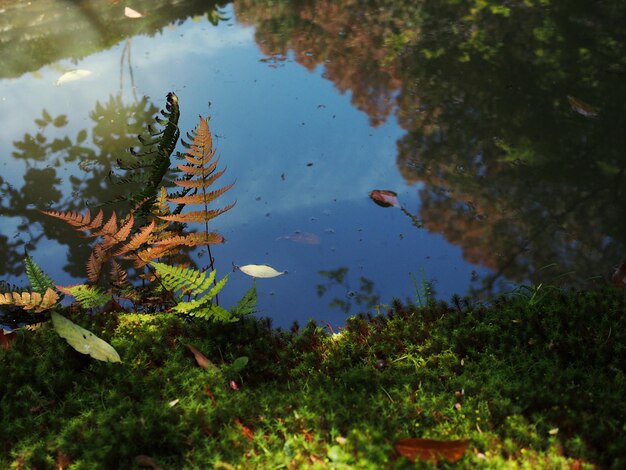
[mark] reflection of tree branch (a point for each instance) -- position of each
(491, 279)
(126, 53)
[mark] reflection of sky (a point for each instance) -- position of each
(303, 157)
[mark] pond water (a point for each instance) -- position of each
(500, 126)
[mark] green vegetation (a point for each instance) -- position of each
(531, 385)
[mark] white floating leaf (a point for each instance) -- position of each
(260, 270)
(130, 13)
(84, 341)
(73, 75)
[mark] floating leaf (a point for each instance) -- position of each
(302, 237)
(259, 270)
(385, 198)
(582, 108)
(201, 359)
(84, 341)
(130, 13)
(431, 450)
(73, 75)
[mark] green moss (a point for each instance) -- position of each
(532, 384)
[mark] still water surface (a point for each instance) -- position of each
(500, 128)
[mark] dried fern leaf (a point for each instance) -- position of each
(109, 228)
(143, 236)
(197, 170)
(73, 218)
(197, 216)
(95, 223)
(193, 239)
(117, 274)
(31, 300)
(199, 183)
(201, 198)
(122, 234)
(94, 263)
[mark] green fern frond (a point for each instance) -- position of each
(188, 280)
(39, 281)
(87, 296)
(154, 161)
(247, 304)
(194, 283)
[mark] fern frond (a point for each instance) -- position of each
(94, 263)
(196, 216)
(87, 296)
(31, 300)
(248, 303)
(143, 236)
(199, 183)
(95, 223)
(201, 198)
(39, 281)
(73, 218)
(193, 239)
(200, 171)
(154, 162)
(203, 307)
(120, 235)
(188, 280)
(108, 229)
(118, 276)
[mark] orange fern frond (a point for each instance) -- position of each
(193, 239)
(197, 216)
(201, 198)
(200, 167)
(200, 183)
(73, 218)
(118, 274)
(95, 223)
(197, 170)
(94, 263)
(109, 228)
(138, 239)
(122, 234)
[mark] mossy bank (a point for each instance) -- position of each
(530, 382)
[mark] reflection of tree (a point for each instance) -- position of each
(93, 152)
(346, 298)
(512, 173)
(355, 58)
(35, 34)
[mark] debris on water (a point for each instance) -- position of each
(582, 108)
(385, 198)
(301, 237)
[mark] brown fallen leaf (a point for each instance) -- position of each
(6, 338)
(201, 359)
(619, 275)
(245, 430)
(431, 450)
(385, 198)
(145, 461)
(63, 461)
